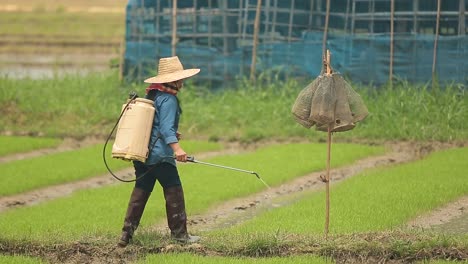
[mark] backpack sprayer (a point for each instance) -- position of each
(133, 136)
(133, 132)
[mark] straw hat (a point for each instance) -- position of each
(169, 70)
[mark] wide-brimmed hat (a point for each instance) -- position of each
(169, 70)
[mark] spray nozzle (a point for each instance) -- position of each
(132, 95)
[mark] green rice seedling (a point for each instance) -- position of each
(100, 212)
(14, 144)
(379, 199)
(16, 259)
(24, 175)
(191, 258)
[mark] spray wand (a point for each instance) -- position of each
(192, 159)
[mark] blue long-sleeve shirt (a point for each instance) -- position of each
(165, 126)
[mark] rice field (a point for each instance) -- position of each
(406, 161)
(372, 206)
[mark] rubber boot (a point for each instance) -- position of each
(135, 209)
(176, 217)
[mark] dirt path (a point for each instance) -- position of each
(441, 215)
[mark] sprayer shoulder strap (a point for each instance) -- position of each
(152, 95)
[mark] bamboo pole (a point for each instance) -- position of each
(325, 29)
(436, 39)
(392, 15)
(255, 40)
(461, 18)
(174, 27)
(291, 21)
(327, 177)
(327, 185)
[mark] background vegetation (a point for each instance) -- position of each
(84, 106)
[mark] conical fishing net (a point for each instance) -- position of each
(301, 108)
(329, 101)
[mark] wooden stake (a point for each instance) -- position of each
(325, 29)
(434, 58)
(392, 17)
(174, 27)
(327, 177)
(255, 40)
(327, 182)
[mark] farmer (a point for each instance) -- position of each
(163, 148)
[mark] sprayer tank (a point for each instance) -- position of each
(134, 130)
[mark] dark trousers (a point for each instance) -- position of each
(165, 173)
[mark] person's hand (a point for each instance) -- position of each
(179, 153)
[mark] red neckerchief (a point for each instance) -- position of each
(160, 87)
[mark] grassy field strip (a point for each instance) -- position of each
(193, 259)
(15, 144)
(25, 175)
(103, 27)
(99, 212)
(20, 260)
(54, 5)
(379, 199)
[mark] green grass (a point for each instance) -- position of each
(28, 174)
(19, 260)
(190, 258)
(416, 112)
(100, 212)
(70, 106)
(53, 4)
(379, 199)
(405, 112)
(90, 105)
(13, 144)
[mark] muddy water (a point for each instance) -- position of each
(36, 66)
(46, 72)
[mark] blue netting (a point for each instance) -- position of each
(361, 58)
